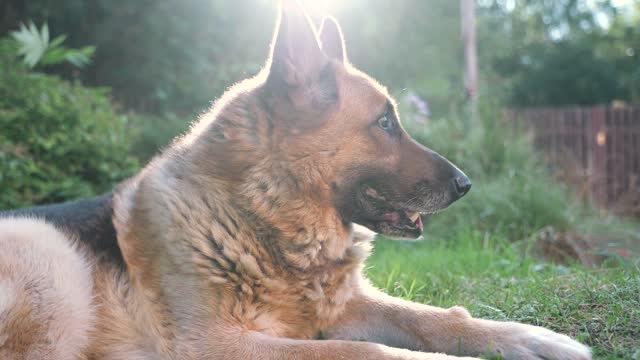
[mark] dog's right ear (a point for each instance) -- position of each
(332, 39)
(296, 57)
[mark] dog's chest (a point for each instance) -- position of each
(302, 305)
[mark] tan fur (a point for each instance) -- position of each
(234, 245)
(45, 293)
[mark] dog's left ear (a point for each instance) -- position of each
(296, 56)
(331, 39)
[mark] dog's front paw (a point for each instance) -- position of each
(526, 342)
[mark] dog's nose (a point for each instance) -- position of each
(462, 185)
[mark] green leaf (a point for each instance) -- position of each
(44, 34)
(77, 58)
(88, 51)
(36, 49)
(54, 56)
(57, 41)
(32, 44)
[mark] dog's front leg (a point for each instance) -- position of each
(374, 316)
(243, 345)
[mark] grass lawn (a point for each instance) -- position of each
(493, 279)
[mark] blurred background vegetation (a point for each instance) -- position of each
(172, 55)
(91, 89)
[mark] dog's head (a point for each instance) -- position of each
(378, 176)
(338, 132)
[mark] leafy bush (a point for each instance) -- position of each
(160, 55)
(155, 132)
(59, 140)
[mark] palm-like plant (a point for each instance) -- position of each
(36, 49)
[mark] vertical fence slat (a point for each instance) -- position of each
(598, 154)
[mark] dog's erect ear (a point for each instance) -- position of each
(296, 56)
(332, 40)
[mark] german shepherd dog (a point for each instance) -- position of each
(240, 241)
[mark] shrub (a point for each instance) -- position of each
(155, 132)
(59, 140)
(513, 194)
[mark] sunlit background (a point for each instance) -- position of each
(176, 56)
(549, 133)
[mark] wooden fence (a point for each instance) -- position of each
(596, 149)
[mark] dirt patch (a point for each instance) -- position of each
(563, 247)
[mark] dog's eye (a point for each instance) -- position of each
(384, 123)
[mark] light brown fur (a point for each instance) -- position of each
(236, 241)
(46, 308)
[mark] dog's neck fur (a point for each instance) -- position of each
(271, 190)
(189, 207)
(263, 214)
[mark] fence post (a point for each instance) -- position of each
(597, 156)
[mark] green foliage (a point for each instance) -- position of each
(567, 72)
(513, 193)
(559, 52)
(155, 132)
(411, 44)
(176, 56)
(59, 140)
(162, 55)
(35, 47)
(621, 48)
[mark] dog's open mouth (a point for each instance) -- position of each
(387, 218)
(405, 219)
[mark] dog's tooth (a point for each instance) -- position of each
(414, 216)
(373, 193)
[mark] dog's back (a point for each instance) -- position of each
(46, 282)
(89, 221)
(46, 290)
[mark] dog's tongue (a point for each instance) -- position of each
(415, 217)
(393, 217)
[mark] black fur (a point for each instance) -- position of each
(89, 220)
